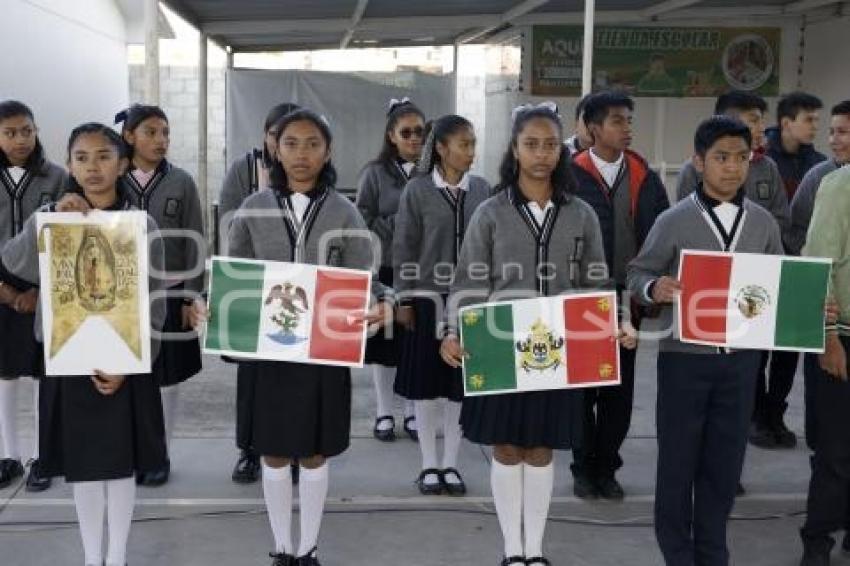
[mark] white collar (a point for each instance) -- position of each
(16, 173)
(441, 183)
(609, 170)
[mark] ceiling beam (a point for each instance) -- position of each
(506, 18)
(267, 27)
(803, 5)
(359, 10)
(666, 6)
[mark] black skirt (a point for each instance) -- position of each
(180, 354)
(86, 436)
(301, 410)
(538, 419)
(422, 374)
(384, 348)
(20, 354)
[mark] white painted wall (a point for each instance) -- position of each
(67, 61)
(826, 70)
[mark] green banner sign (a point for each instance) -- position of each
(657, 61)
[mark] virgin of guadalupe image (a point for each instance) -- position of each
(95, 272)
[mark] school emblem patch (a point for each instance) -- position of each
(763, 190)
(752, 300)
(172, 207)
(540, 351)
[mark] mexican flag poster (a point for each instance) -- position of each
(289, 312)
(562, 342)
(753, 301)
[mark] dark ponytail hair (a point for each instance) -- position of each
(112, 137)
(132, 117)
(275, 114)
(563, 181)
(13, 109)
(438, 131)
(389, 150)
(327, 176)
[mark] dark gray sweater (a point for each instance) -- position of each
(429, 232)
(803, 204)
(378, 196)
(686, 226)
(39, 186)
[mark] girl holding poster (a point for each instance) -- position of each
(96, 431)
(301, 410)
(533, 222)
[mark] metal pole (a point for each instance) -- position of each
(152, 51)
(203, 193)
(587, 62)
(455, 49)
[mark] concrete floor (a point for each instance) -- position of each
(375, 515)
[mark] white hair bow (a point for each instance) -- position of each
(546, 104)
(395, 102)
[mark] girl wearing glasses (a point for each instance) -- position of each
(28, 180)
(378, 193)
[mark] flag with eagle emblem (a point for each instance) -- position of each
(562, 342)
(290, 312)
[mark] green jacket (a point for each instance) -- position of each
(829, 236)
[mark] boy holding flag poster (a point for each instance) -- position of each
(705, 394)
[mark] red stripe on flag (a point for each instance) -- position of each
(705, 296)
(334, 336)
(591, 345)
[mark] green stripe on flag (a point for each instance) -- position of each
(235, 303)
(488, 337)
(799, 316)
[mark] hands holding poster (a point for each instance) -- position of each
(741, 300)
(563, 342)
(291, 312)
(94, 292)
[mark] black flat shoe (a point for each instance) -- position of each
(584, 488)
(308, 559)
(451, 488)
(384, 434)
(512, 560)
(10, 470)
(430, 488)
(36, 482)
(411, 432)
(247, 468)
(282, 559)
(158, 477)
(609, 488)
(537, 560)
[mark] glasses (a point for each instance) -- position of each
(25, 133)
(407, 133)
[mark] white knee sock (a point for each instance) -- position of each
(451, 434)
(537, 495)
(410, 412)
(170, 407)
(277, 491)
(506, 483)
(120, 501)
(383, 377)
(9, 418)
(312, 493)
(90, 502)
(35, 412)
(426, 421)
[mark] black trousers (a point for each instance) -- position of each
(829, 488)
(245, 385)
(773, 388)
(811, 375)
(607, 418)
(705, 402)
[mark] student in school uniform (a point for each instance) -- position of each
(434, 213)
(246, 176)
(97, 431)
(705, 394)
(535, 221)
(170, 196)
(302, 411)
(378, 194)
(28, 181)
(627, 196)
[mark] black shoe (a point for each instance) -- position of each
(785, 438)
(411, 432)
(295, 470)
(816, 552)
(451, 488)
(156, 478)
(762, 436)
(247, 468)
(36, 482)
(584, 488)
(385, 434)
(308, 559)
(609, 488)
(429, 488)
(512, 560)
(739, 490)
(537, 560)
(9, 470)
(282, 559)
